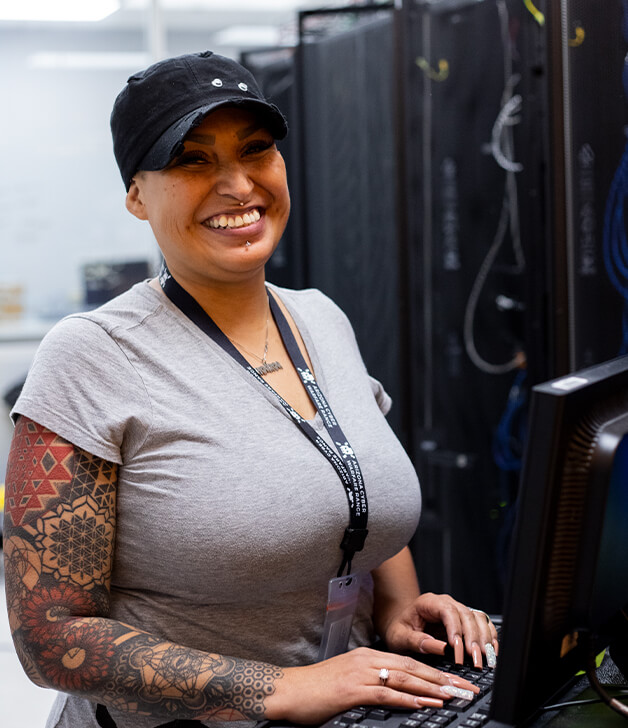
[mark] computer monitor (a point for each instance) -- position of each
(568, 585)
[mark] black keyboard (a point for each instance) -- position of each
(456, 713)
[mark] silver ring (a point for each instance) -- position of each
(383, 675)
(481, 611)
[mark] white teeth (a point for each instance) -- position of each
(238, 221)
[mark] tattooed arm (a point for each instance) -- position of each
(59, 540)
(59, 526)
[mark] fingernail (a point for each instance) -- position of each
(476, 652)
(491, 657)
(461, 683)
(428, 702)
(458, 649)
(454, 692)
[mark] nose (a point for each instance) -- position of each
(234, 181)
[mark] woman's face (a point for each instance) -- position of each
(228, 187)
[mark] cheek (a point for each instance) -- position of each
(282, 194)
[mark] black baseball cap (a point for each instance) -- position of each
(158, 106)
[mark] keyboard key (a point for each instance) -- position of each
(379, 714)
(352, 716)
(458, 705)
(447, 713)
(469, 723)
(410, 723)
(423, 713)
(481, 718)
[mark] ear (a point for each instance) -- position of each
(134, 203)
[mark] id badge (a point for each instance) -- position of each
(342, 601)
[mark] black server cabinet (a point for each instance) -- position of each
(348, 181)
(576, 182)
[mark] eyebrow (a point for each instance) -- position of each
(247, 131)
(210, 139)
(201, 138)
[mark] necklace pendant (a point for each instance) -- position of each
(268, 368)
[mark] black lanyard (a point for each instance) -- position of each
(346, 465)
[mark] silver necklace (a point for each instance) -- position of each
(265, 367)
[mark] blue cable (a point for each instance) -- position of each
(615, 243)
(505, 435)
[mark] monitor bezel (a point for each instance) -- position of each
(531, 670)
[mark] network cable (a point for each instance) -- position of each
(615, 245)
(510, 432)
(502, 150)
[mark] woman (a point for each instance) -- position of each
(171, 534)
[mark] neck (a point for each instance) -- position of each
(239, 309)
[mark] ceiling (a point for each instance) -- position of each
(255, 22)
(164, 27)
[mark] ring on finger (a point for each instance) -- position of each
(481, 611)
(384, 674)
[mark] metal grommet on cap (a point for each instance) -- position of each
(243, 87)
(217, 82)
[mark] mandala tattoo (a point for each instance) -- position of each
(75, 542)
(185, 681)
(59, 535)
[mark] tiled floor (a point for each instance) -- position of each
(22, 704)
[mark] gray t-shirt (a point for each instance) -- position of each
(228, 518)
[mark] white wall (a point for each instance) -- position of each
(61, 197)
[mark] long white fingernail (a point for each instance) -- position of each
(457, 692)
(491, 657)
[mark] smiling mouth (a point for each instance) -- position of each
(231, 222)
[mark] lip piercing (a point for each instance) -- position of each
(248, 245)
(241, 204)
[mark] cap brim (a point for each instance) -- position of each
(170, 143)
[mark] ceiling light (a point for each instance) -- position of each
(57, 10)
(248, 36)
(87, 60)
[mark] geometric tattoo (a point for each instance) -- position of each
(60, 518)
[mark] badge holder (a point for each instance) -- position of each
(342, 601)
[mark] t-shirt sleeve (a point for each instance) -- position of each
(383, 399)
(83, 387)
(338, 328)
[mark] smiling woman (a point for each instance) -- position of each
(177, 512)
(225, 188)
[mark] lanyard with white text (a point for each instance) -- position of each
(346, 466)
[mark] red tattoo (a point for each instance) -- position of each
(45, 609)
(39, 462)
(80, 660)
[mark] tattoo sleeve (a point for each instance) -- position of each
(60, 518)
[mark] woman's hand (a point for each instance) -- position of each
(314, 693)
(465, 628)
